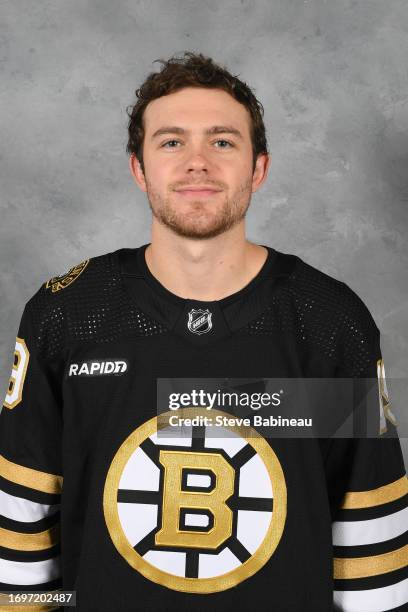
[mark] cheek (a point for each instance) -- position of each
(159, 175)
(240, 175)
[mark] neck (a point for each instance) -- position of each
(204, 270)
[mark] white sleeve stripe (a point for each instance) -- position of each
(356, 533)
(373, 600)
(29, 572)
(24, 510)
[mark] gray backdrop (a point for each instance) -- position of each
(332, 76)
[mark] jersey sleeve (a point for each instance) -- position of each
(368, 486)
(30, 470)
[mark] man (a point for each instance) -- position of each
(100, 496)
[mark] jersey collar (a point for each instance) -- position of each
(197, 321)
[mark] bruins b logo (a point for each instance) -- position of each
(195, 514)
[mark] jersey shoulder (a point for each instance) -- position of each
(329, 314)
(328, 296)
(76, 304)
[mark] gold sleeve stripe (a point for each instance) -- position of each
(29, 541)
(362, 567)
(376, 497)
(5, 604)
(34, 479)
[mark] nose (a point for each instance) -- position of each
(196, 162)
(196, 158)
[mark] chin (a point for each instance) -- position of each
(199, 233)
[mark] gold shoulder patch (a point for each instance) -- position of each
(60, 282)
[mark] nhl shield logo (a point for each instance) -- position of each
(199, 321)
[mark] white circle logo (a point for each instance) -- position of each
(195, 514)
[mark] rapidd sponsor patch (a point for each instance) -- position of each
(98, 367)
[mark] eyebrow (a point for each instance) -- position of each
(216, 129)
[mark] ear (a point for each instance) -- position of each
(262, 166)
(137, 173)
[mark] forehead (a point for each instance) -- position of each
(196, 108)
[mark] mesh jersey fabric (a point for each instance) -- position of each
(340, 505)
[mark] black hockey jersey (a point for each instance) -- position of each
(94, 500)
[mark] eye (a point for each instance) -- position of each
(168, 142)
(227, 141)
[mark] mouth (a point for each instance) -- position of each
(204, 193)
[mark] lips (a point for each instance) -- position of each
(198, 191)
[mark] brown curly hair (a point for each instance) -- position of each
(193, 70)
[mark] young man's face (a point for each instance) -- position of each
(186, 156)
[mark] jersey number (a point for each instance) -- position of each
(18, 372)
(385, 405)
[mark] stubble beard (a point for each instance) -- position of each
(201, 223)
